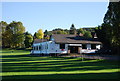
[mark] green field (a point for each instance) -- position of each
(19, 65)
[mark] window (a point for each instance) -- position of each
(62, 46)
(93, 46)
(36, 48)
(39, 47)
(47, 46)
(84, 46)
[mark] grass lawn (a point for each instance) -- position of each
(19, 65)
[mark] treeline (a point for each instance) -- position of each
(13, 35)
(86, 32)
(109, 31)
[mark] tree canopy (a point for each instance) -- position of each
(28, 40)
(109, 31)
(40, 34)
(87, 34)
(13, 34)
(73, 30)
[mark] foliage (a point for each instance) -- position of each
(109, 31)
(47, 32)
(35, 35)
(40, 34)
(80, 30)
(67, 31)
(59, 31)
(13, 34)
(28, 40)
(73, 30)
(2, 31)
(87, 34)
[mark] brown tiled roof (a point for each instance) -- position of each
(39, 40)
(64, 38)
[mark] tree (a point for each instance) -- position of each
(40, 34)
(14, 35)
(46, 36)
(28, 40)
(35, 35)
(2, 33)
(59, 31)
(72, 29)
(110, 29)
(67, 31)
(80, 31)
(46, 32)
(87, 34)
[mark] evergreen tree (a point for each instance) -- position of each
(109, 31)
(35, 35)
(72, 29)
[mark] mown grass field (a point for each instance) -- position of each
(19, 65)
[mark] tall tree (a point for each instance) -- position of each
(40, 34)
(110, 29)
(14, 35)
(73, 29)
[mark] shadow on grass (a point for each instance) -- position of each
(56, 66)
(67, 76)
(26, 63)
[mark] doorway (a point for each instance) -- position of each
(73, 49)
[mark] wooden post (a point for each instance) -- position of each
(69, 51)
(79, 49)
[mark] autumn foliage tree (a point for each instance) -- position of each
(40, 34)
